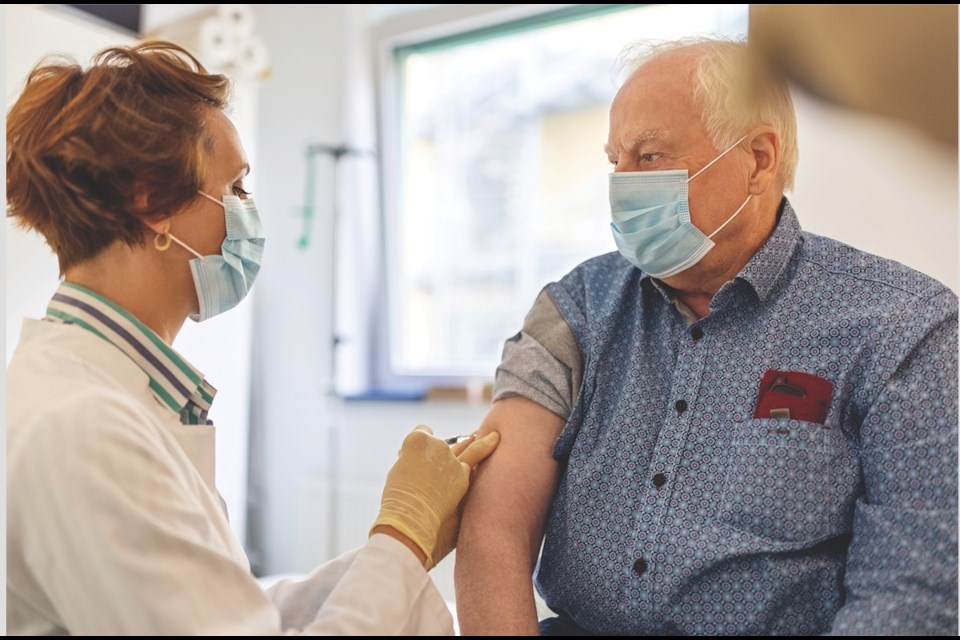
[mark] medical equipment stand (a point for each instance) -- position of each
(334, 403)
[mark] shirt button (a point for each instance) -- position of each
(640, 566)
(659, 480)
(680, 406)
(696, 333)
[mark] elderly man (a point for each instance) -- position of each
(730, 426)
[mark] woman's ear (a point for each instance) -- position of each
(765, 148)
(160, 226)
(141, 197)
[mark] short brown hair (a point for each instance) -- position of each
(85, 146)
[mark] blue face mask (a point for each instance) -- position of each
(223, 281)
(651, 220)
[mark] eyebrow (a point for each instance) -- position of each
(646, 136)
(245, 170)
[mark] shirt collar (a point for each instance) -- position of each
(764, 269)
(173, 381)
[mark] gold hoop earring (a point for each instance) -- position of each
(162, 241)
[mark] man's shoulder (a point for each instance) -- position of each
(605, 267)
(594, 287)
(611, 261)
(840, 261)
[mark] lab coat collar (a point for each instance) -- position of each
(173, 380)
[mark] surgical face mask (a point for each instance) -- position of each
(651, 220)
(223, 281)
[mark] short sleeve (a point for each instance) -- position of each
(542, 362)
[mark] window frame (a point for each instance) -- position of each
(415, 32)
(422, 30)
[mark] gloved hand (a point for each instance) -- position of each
(424, 488)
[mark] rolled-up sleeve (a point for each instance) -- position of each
(542, 362)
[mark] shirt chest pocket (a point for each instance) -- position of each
(789, 481)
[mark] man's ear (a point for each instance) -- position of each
(764, 145)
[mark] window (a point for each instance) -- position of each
(498, 173)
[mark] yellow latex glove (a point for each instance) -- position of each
(422, 495)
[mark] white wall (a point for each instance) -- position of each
(3, 376)
(300, 104)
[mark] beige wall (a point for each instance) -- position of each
(877, 185)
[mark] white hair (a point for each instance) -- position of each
(729, 92)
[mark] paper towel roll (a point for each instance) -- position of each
(222, 37)
(252, 59)
(217, 44)
(239, 17)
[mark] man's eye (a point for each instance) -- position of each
(649, 157)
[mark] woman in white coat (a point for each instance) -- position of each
(134, 176)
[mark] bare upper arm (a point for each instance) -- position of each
(514, 487)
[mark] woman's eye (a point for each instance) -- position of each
(240, 192)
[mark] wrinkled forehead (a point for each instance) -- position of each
(670, 78)
(657, 101)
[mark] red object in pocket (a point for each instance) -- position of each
(794, 395)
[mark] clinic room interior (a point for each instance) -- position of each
(422, 172)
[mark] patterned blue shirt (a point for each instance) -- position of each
(680, 512)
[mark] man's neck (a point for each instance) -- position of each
(697, 286)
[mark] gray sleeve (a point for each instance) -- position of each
(541, 363)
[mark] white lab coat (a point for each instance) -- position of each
(114, 525)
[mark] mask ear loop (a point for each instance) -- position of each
(709, 164)
(163, 239)
(179, 242)
(720, 228)
(211, 198)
